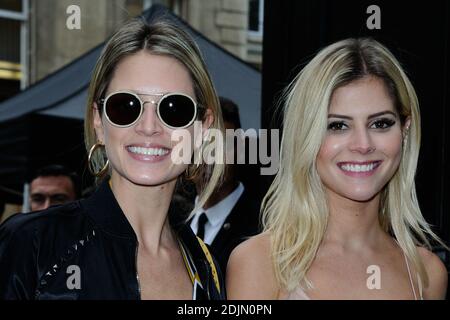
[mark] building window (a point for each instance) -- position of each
(256, 17)
(13, 51)
(11, 5)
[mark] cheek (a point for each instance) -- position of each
(392, 146)
(330, 148)
(112, 138)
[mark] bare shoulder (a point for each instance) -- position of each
(256, 251)
(258, 245)
(250, 271)
(437, 274)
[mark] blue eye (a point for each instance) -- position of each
(382, 123)
(337, 126)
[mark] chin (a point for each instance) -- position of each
(361, 196)
(150, 182)
(154, 175)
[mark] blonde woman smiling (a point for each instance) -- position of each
(343, 207)
(149, 82)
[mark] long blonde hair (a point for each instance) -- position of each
(162, 37)
(295, 212)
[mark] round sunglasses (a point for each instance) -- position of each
(174, 110)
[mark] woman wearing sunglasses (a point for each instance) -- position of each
(149, 83)
(341, 219)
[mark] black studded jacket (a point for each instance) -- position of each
(87, 250)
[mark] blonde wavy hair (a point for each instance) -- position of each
(161, 37)
(295, 212)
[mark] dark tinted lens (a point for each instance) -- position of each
(123, 108)
(176, 110)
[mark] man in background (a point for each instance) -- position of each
(53, 185)
(231, 214)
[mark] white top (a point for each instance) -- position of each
(217, 214)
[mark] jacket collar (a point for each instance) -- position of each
(104, 209)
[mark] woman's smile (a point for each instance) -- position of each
(148, 153)
(359, 169)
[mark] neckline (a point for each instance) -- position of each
(300, 294)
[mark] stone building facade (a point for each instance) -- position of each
(226, 22)
(46, 43)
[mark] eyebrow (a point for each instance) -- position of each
(332, 115)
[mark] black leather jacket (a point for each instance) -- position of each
(84, 250)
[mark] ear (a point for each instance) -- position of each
(406, 126)
(208, 119)
(98, 124)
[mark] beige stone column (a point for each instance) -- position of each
(222, 21)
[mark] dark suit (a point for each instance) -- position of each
(241, 223)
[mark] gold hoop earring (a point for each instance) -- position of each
(91, 167)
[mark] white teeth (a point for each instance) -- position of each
(148, 151)
(358, 168)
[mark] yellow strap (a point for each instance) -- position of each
(188, 266)
(211, 263)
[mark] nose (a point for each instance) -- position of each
(149, 123)
(361, 141)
